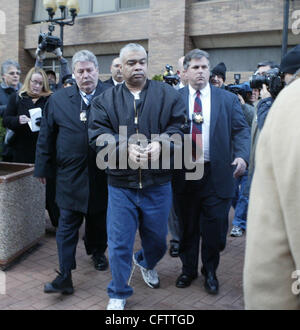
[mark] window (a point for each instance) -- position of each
(90, 7)
(127, 4)
(100, 6)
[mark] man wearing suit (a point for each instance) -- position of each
(81, 188)
(203, 205)
(116, 74)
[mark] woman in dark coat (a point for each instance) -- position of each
(33, 94)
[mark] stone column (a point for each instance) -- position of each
(168, 33)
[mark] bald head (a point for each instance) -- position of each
(181, 71)
(115, 70)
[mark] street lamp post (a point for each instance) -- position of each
(51, 7)
(285, 27)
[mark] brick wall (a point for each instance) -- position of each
(168, 29)
(9, 42)
(26, 8)
(167, 33)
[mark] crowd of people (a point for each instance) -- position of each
(79, 128)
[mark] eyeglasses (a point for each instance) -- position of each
(12, 73)
(37, 83)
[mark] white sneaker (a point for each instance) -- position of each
(150, 276)
(236, 231)
(116, 304)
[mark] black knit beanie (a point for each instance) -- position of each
(291, 61)
(220, 70)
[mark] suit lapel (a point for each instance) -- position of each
(74, 95)
(99, 88)
(186, 99)
(214, 109)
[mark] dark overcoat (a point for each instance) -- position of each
(24, 143)
(63, 143)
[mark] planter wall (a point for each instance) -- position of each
(22, 210)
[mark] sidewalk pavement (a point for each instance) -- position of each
(25, 280)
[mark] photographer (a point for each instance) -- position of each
(218, 75)
(240, 201)
(64, 68)
(288, 67)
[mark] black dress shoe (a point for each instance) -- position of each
(100, 261)
(183, 281)
(62, 284)
(211, 283)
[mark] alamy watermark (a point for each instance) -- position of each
(2, 283)
(2, 22)
(296, 284)
(176, 153)
(296, 22)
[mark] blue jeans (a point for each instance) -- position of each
(128, 210)
(241, 205)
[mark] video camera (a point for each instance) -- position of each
(169, 76)
(271, 79)
(242, 89)
(47, 42)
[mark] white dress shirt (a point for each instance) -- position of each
(83, 95)
(206, 105)
(116, 83)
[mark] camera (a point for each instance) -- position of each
(47, 42)
(169, 76)
(271, 79)
(242, 89)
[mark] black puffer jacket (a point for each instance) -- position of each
(162, 110)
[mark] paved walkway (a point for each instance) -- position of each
(26, 278)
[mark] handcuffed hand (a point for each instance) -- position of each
(153, 149)
(137, 154)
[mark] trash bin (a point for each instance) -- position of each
(22, 210)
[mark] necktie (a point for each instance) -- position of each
(89, 98)
(197, 126)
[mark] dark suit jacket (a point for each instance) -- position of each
(63, 145)
(109, 81)
(229, 139)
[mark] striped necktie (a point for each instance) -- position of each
(197, 127)
(89, 98)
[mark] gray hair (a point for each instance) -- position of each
(194, 54)
(7, 64)
(131, 48)
(84, 56)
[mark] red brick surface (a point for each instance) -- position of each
(26, 278)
